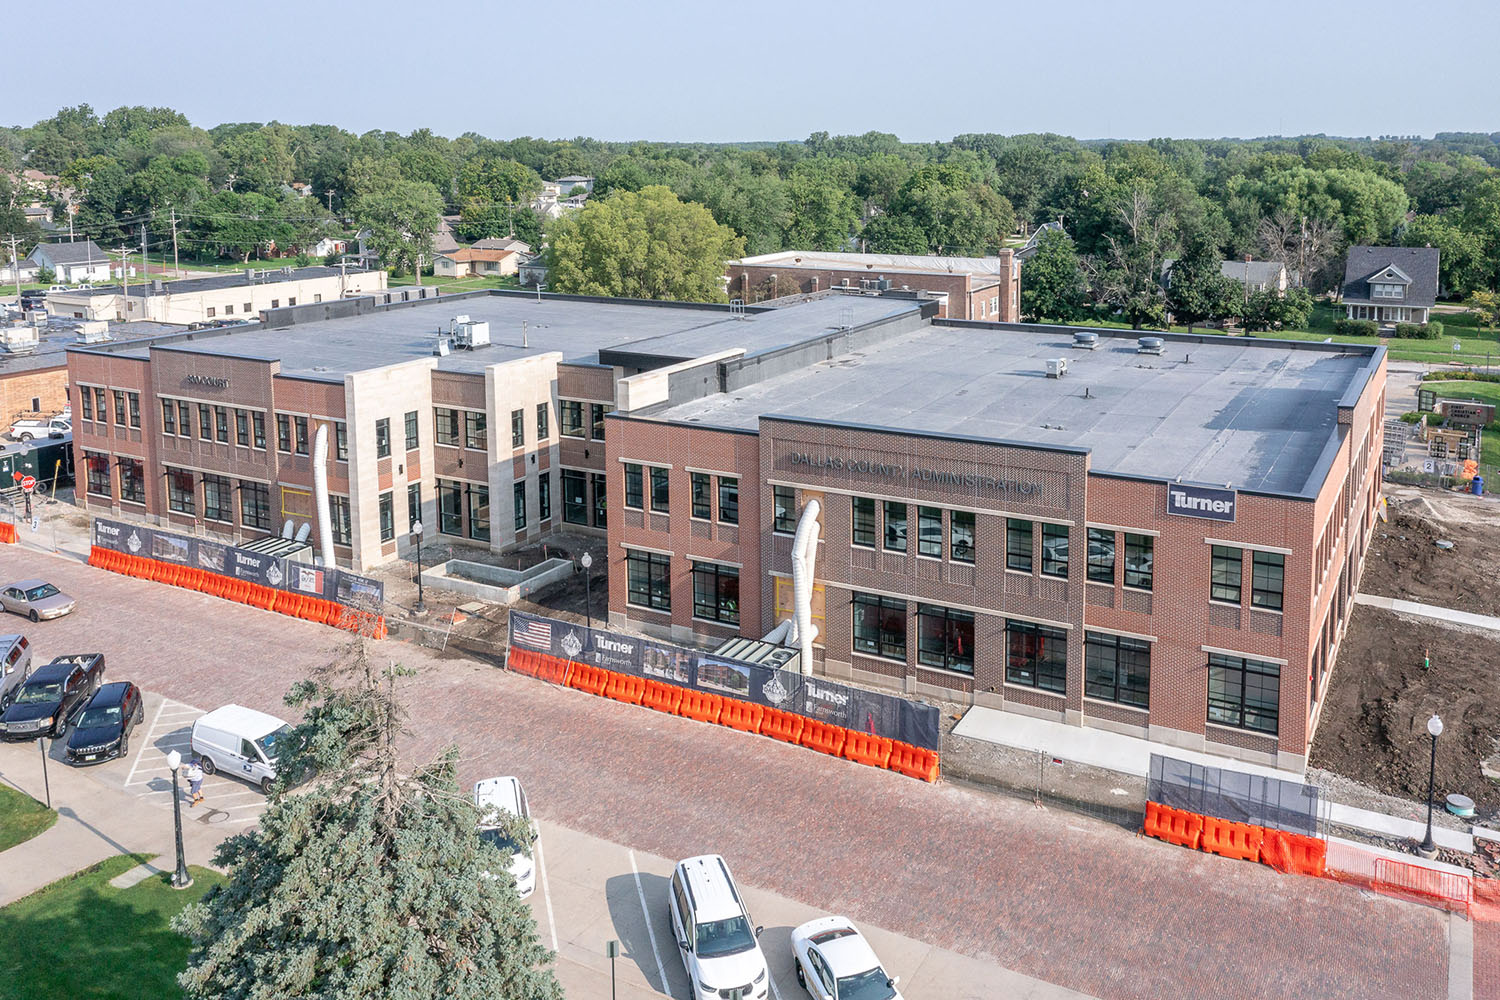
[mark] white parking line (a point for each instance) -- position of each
(661, 971)
(541, 871)
(145, 743)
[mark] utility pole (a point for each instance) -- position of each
(125, 253)
(15, 265)
(329, 193)
(176, 269)
(145, 261)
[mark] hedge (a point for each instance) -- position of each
(1419, 331)
(1355, 327)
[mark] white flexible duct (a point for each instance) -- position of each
(804, 557)
(320, 493)
(780, 632)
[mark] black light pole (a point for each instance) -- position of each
(180, 878)
(416, 529)
(588, 591)
(41, 744)
(611, 949)
(1435, 729)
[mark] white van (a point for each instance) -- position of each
(505, 794)
(15, 665)
(240, 741)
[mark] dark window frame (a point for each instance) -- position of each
(783, 510)
(1125, 660)
(894, 514)
(1019, 544)
(1101, 555)
(700, 486)
(710, 587)
(476, 430)
(446, 426)
(518, 428)
(477, 511)
(952, 624)
(339, 522)
(1053, 564)
(575, 506)
(879, 637)
(648, 580)
(518, 504)
(383, 437)
(570, 419)
(255, 505)
(961, 551)
(661, 490)
(1226, 574)
(412, 424)
(1140, 550)
(1267, 568)
(1032, 657)
(599, 483)
(635, 486)
(863, 527)
(132, 487)
(544, 496)
(218, 498)
(168, 415)
(729, 499)
(180, 498)
(387, 506)
(930, 532)
(1233, 676)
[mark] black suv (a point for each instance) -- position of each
(51, 696)
(104, 727)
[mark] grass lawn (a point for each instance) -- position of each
(21, 817)
(458, 284)
(82, 938)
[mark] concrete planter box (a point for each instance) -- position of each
(493, 583)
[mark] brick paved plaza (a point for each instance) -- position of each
(1050, 894)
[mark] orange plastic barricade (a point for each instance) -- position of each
(914, 762)
(7, 531)
(662, 697)
(1231, 840)
(783, 726)
(522, 661)
(626, 688)
(700, 705)
(555, 669)
(380, 630)
(1156, 823)
(588, 679)
(1184, 829)
(94, 556)
(864, 748)
(745, 716)
(823, 737)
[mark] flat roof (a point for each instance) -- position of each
(650, 333)
(269, 275)
(876, 263)
(1252, 413)
(59, 334)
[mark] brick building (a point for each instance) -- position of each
(978, 288)
(1164, 541)
(498, 445)
(242, 295)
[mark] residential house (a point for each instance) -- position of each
(1254, 275)
(1390, 284)
(504, 243)
(475, 262)
(1029, 250)
(236, 297)
(72, 262)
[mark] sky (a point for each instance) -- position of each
(683, 72)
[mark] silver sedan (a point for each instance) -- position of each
(36, 599)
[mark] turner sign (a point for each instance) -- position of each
(1200, 501)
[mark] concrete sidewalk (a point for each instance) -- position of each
(1447, 615)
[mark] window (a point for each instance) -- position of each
(1385, 291)
(168, 414)
(275, 303)
(862, 522)
(413, 505)
(211, 312)
(880, 626)
(119, 408)
(1018, 544)
(575, 502)
(445, 421)
(729, 500)
(387, 517)
(1244, 693)
(450, 508)
(99, 404)
(648, 580)
(340, 441)
(98, 466)
(382, 437)
(783, 510)
(242, 428)
(1139, 550)
(258, 422)
(716, 593)
(135, 408)
(570, 418)
(634, 490)
(283, 433)
(1267, 575)
(413, 436)
(961, 535)
(479, 512)
(217, 495)
(1036, 656)
(660, 497)
(86, 404)
(1102, 556)
(930, 532)
(249, 307)
(945, 638)
(542, 430)
(518, 496)
(596, 419)
(291, 300)
(180, 491)
(518, 428)
(1117, 669)
(476, 432)
(221, 424)
(338, 520)
(601, 499)
(229, 310)
(702, 505)
(132, 480)
(1226, 574)
(1054, 550)
(255, 505)
(544, 496)
(895, 526)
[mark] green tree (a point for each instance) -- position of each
(822, 206)
(1129, 271)
(373, 882)
(646, 244)
(1196, 288)
(1265, 309)
(893, 234)
(1051, 280)
(260, 160)
(403, 220)
(1460, 254)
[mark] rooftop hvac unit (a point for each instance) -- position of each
(883, 284)
(1057, 367)
(469, 334)
(1085, 341)
(94, 331)
(1149, 345)
(442, 347)
(20, 339)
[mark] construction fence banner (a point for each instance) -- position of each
(1234, 795)
(827, 701)
(327, 582)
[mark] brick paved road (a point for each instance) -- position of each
(1052, 895)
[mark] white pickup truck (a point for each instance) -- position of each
(41, 427)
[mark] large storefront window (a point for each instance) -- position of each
(945, 638)
(338, 520)
(217, 497)
(479, 512)
(716, 593)
(132, 480)
(98, 469)
(648, 580)
(1036, 656)
(255, 505)
(180, 491)
(1244, 693)
(880, 626)
(1118, 669)
(1101, 555)
(450, 508)
(575, 502)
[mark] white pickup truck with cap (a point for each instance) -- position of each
(41, 427)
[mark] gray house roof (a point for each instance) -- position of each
(1246, 272)
(69, 253)
(502, 243)
(1419, 264)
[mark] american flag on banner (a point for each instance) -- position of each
(533, 633)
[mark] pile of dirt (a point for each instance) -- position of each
(1406, 562)
(1374, 724)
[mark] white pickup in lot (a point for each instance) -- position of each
(41, 427)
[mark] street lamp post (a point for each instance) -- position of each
(180, 878)
(588, 591)
(416, 529)
(1435, 729)
(41, 743)
(611, 949)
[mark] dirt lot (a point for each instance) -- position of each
(1374, 725)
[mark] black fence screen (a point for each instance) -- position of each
(813, 697)
(1234, 795)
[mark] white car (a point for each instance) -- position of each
(714, 931)
(494, 796)
(835, 962)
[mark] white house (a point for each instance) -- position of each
(72, 262)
